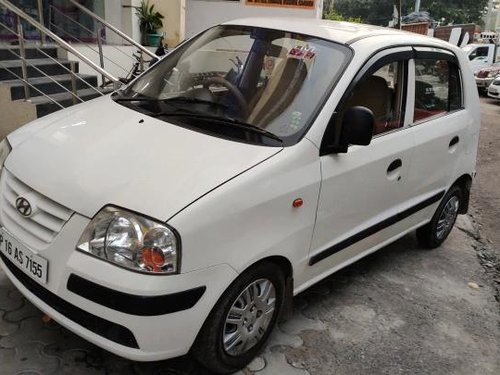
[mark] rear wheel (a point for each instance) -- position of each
(242, 320)
(434, 233)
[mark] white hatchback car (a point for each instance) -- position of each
(183, 212)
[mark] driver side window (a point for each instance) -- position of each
(382, 93)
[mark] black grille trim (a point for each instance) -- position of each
(134, 304)
(109, 330)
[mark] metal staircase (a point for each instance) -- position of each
(38, 78)
(49, 84)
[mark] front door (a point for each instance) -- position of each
(364, 190)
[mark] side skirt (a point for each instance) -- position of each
(375, 228)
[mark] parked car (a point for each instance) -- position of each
(482, 55)
(485, 76)
(494, 89)
(183, 212)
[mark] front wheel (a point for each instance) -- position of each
(433, 234)
(242, 320)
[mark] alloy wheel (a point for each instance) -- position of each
(447, 217)
(249, 317)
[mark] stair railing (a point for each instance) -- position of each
(113, 29)
(25, 64)
(61, 42)
(54, 11)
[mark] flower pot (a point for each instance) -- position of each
(153, 40)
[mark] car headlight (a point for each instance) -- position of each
(4, 151)
(492, 74)
(132, 241)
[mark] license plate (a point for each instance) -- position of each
(26, 260)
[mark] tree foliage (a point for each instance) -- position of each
(379, 12)
(333, 15)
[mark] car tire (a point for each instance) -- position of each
(433, 234)
(260, 287)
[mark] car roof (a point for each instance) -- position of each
(336, 31)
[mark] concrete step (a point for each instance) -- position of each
(9, 68)
(45, 106)
(47, 86)
(31, 52)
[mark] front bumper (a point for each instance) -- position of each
(484, 83)
(494, 92)
(136, 316)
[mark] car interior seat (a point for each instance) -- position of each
(375, 94)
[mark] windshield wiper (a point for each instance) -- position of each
(188, 99)
(119, 98)
(228, 120)
(180, 99)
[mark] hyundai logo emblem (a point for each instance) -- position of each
(23, 206)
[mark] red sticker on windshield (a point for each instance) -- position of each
(301, 53)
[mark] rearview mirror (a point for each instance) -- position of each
(357, 127)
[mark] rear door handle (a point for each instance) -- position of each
(396, 164)
(454, 141)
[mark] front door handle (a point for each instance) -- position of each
(454, 141)
(396, 164)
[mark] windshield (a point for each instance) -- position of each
(274, 81)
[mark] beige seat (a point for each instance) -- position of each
(374, 94)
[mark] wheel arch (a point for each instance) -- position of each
(286, 266)
(464, 182)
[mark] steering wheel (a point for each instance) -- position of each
(242, 103)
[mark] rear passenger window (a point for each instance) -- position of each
(437, 88)
(382, 93)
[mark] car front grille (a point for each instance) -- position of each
(39, 229)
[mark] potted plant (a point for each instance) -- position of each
(150, 21)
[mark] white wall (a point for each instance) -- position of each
(201, 14)
(122, 16)
(174, 21)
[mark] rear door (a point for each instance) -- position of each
(439, 123)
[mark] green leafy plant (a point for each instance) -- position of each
(333, 15)
(150, 20)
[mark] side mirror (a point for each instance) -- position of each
(357, 127)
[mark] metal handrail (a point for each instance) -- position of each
(59, 40)
(88, 46)
(47, 76)
(112, 28)
(73, 74)
(29, 84)
(91, 32)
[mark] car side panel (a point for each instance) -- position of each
(251, 217)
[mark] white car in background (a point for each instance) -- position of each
(183, 212)
(494, 89)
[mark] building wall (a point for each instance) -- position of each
(492, 17)
(174, 22)
(201, 14)
(121, 15)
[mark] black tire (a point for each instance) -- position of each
(428, 236)
(208, 348)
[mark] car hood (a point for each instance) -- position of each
(102, 153)
(491, 69)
